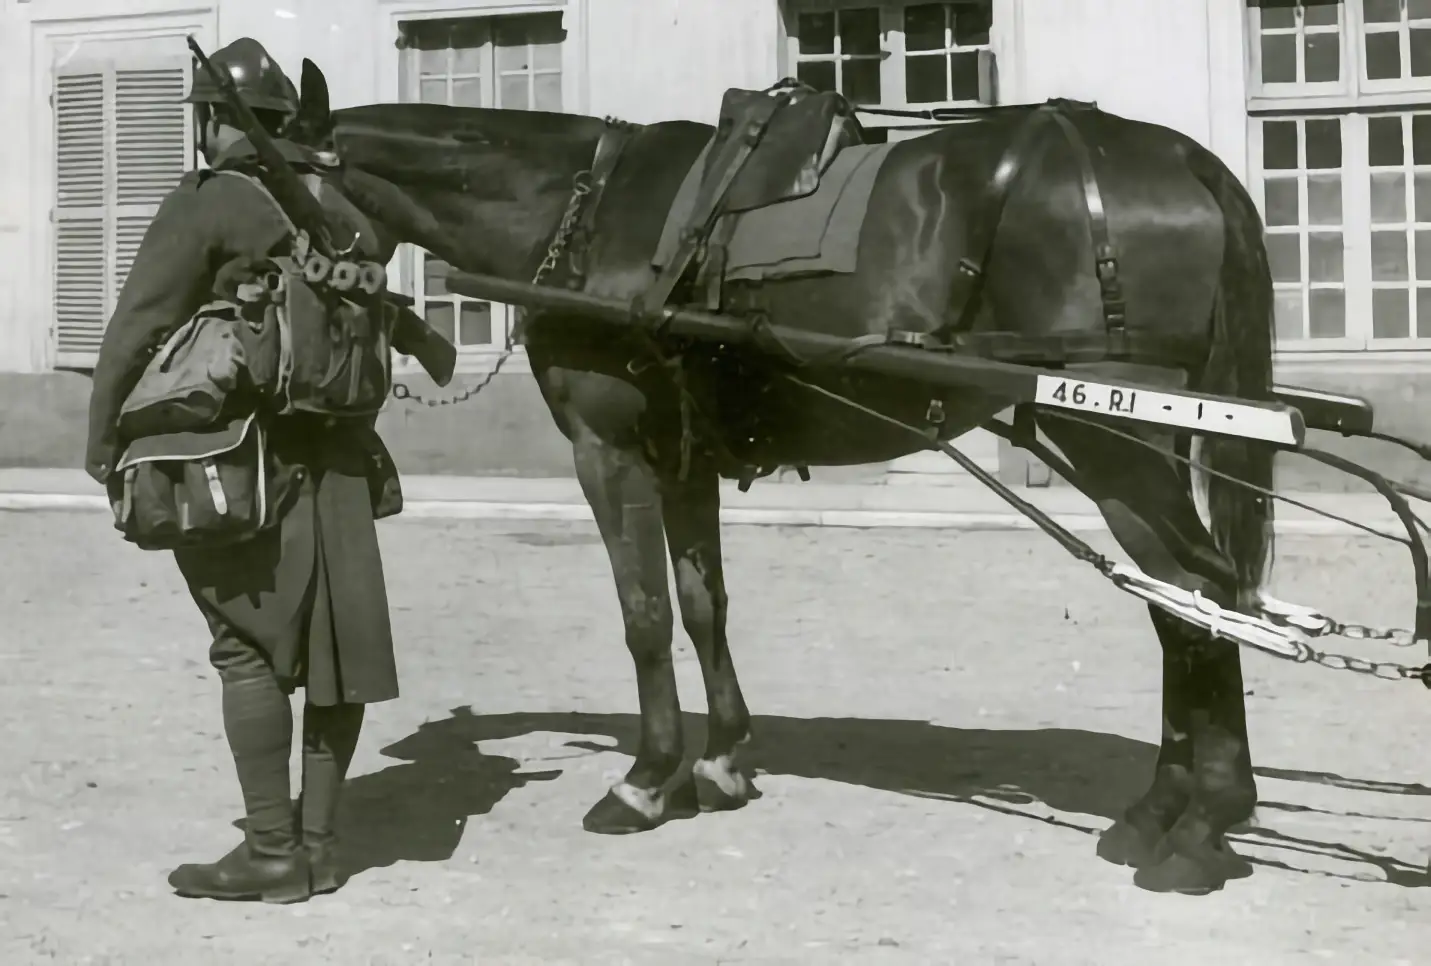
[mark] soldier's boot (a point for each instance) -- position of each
(268, 864)
(330, 735)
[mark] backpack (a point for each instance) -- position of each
(301, 333)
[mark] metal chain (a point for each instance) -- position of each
(1395, 636)
(580, 188)
(1386, 670)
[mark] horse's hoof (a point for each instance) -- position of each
(1122, 843)
(721, 791)
(614, 816)
(1184, 874)
(683, 800)
(1234, 866)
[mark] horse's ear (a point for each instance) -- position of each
(313, 98)
(313, 106)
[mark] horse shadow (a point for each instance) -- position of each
(417, 810)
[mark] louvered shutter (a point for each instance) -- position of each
(81, 159)
(123, 141)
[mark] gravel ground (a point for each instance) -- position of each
(944, 721)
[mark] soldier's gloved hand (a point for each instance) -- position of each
(100, 459)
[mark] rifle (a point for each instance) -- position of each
(412, 335)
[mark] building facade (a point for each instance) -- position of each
(1318, 107)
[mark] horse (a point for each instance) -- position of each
(492, 191)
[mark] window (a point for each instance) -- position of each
(895, 55)
(122, 142)
(511, 62)
(1340, 138)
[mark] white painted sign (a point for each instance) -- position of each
(1224, 417)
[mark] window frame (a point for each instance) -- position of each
(51, 42)
(405, 268)
(1353, 101)
(893, 57)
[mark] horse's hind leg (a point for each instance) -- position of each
(692, 518)
(1203, 783)
(623, 492)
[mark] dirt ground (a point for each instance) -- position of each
(944, 720)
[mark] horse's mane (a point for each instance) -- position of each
(459, 148)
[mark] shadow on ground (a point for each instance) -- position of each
(417, 811)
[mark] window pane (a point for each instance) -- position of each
(548, 92)
(1327, 313)
(1324, 200)
(1383, 56)
(513, 92)
(1279, 145)
(924, 26)
(1388, 256)
(439, 315)
(432, 90)
(1322, 58)
(1279, 58)
(1320, 14)
(1421, 53)
(1288, 313)
(1324, 256)
(861, 81)
(972, 22)
(476, 324)
(816, 34)
(1324, 143)
(1381, 11)
(1284, 254)
(1423, 312)
(1390, 313)
(1423, 256)
(1418, 9)
(1421, 139)
(546, 56)
(1423, 197)
(964, 76)
(859, 31)
(1383, 135)
(434, 276)
(467, 60)
(1275, 17)
(819, 74)
(1388, 198)
(514, 57)
(467, 92)
(1282, 204)
(432, 52)
(926, 79)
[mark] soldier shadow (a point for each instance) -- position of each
(417, 811)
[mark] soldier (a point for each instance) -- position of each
(304, 603)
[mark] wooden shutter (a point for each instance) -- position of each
(81, 296)
(122, 142)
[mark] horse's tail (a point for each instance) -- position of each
(1239, 364)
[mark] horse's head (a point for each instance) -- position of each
(481, 189)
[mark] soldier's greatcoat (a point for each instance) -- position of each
(310, 592)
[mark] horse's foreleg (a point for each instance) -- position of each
(624, 495)
(691, 511)
(1203, 783)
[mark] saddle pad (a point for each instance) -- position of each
(816, 234)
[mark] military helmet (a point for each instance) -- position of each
(261, 83)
